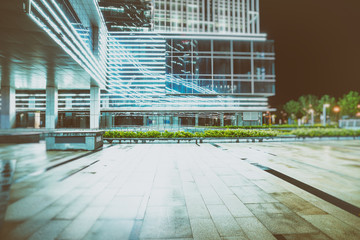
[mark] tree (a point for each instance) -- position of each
(292, 108)
(307, 102)
(349, 104)
(326, 99)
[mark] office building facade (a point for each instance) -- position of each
(172, 63)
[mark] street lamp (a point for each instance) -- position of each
(326, 105)
(336, 110)
(312, 116)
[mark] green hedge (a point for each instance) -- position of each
(320, 132)
(275, 126)
(235, 133)
(182, 134)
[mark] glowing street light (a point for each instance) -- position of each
(336, 110)
(326, 105)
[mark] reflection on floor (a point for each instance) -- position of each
(181, 191)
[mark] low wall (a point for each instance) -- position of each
(74, 140)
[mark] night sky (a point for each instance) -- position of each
(317, 46)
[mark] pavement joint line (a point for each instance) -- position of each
(39, 172)
(350, 208)
(279, 237)
(136, 229)
(79, 170)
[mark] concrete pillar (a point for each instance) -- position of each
(161, 122)
(236, 119)
(240, 119)
(94, 107)
(31, 102)
(8, 101)
(221, 119)
(51, 114)
(68, 102)
(109, 120)
(144, 120)
(37, 120)
(196, 120)
(8, 110)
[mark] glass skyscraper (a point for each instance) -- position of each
(200, 58)
(160, 62)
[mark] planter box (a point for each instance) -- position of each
(16, 137)
(74, 140)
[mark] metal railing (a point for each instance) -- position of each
(349, 123)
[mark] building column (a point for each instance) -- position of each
(260, 118)
(94, 107)
(8, 107)
(236, 119)
(196, 120)
(109, 120)
(51, 114)
(221, 119)
(8, 94)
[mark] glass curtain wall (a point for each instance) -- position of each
(231, 16)
(220, 67)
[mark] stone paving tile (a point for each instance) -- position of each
(166, 239)
(186, 176)
(50, 230)
(209, 195)
(286, 223)
(34, 203)
(333, 227)
(297, 204)
(307, 236)
(166, 222)
(133, 189)
(21, 230)
(252, 194)
(104, 198)
(267, 208)
(110, 229)
(79, 227)
(224, 171)
(236, 181)
(166, 197)
(194, 202)
(204, 229)
(235, 206)
(218, 185)
(225, 223)
(342, 215)
(269, 187)
(122, 208)
(75, 208)
(235, 238)
(254, 229)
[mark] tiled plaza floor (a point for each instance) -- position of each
(181, 191)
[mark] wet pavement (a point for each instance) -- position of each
(180, 191)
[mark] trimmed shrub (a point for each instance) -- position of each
(320, 132)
